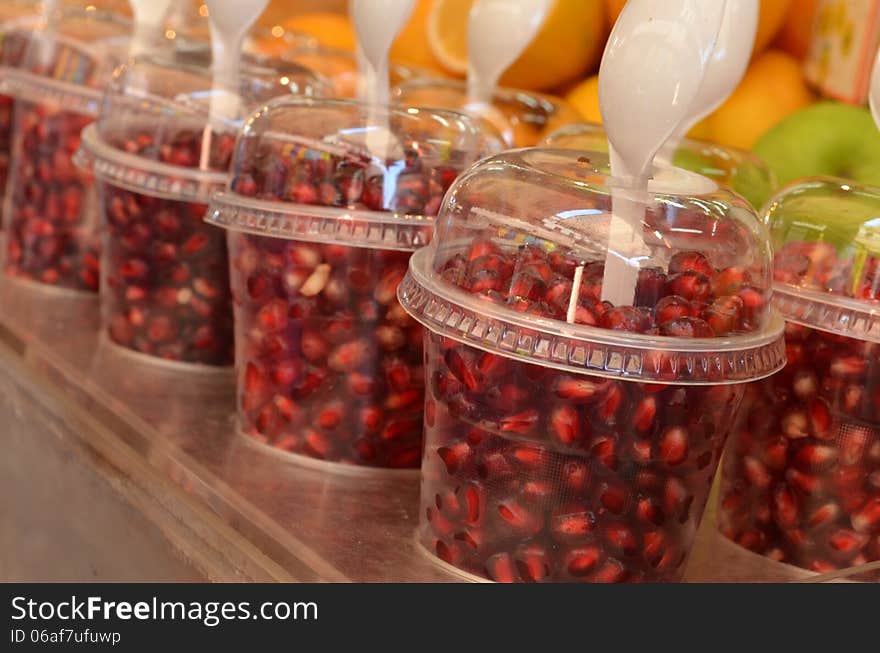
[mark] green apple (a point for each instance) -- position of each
(827, 138)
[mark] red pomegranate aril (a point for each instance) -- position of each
(673, 446)
(695, 261)
(581, 560)
(867, 519)
(577, 389)
(645, 412)
(565, 421)
(519, 518)
(567, 526)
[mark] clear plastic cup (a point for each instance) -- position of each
(568, 439)
(16, 17)
(801, 477)
(50, 211)
(737, 169)
(326, 204)
(157, 156)
(523, 118)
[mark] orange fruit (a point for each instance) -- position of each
(411, 45)
(567, 45)
(332, 30)
(773, 14)
(772, 88)
(796, 32)
(612, 11)
(585, 98)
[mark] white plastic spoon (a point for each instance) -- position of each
(376, 23)
(874, 95)
(148, 18)
(230, 21)
(733, 49)
(499, 31)
(651, 72)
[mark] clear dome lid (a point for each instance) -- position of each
(737, 169)
(336, 171)
(517, 267)
(156, 131)
(826, 238)
(340, 68)
(69, 57)
(522, 117)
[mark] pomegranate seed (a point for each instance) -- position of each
(581, 560)
(846, 541)
(674, 446)
(621, 537)
(566, 526)
(814, 457)
(645, 412)
(823, 515)
(565, 422)
(520, 519)
(867, 520)
(785, 507)
(577, 389)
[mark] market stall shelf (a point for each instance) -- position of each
(160, 458)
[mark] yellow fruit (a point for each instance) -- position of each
(332, 30)
(411, 45)
(797, 31)
(773, 15)
(567, 45)
(772, 88)
(585, 98)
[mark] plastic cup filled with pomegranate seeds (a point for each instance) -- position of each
(568, 438)
(737, 169)
(522, 117)
(16, 17)
(327, 202)
(50, 212)
(801, 473)
(157, 157)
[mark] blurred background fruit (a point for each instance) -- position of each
(333, 30)
(585, 98)
(568, 45)
(773, 15)
(827, 138)
(564, 59)
(773, 87)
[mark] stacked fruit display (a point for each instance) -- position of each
(322, 227)
(568, 438)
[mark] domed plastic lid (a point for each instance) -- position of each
(522, 117)
(69, 58)
(737, 169)
(826, 236)
(17, 20)
(341, 68)
(335, 171)
(152, 134)
(517, 267)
